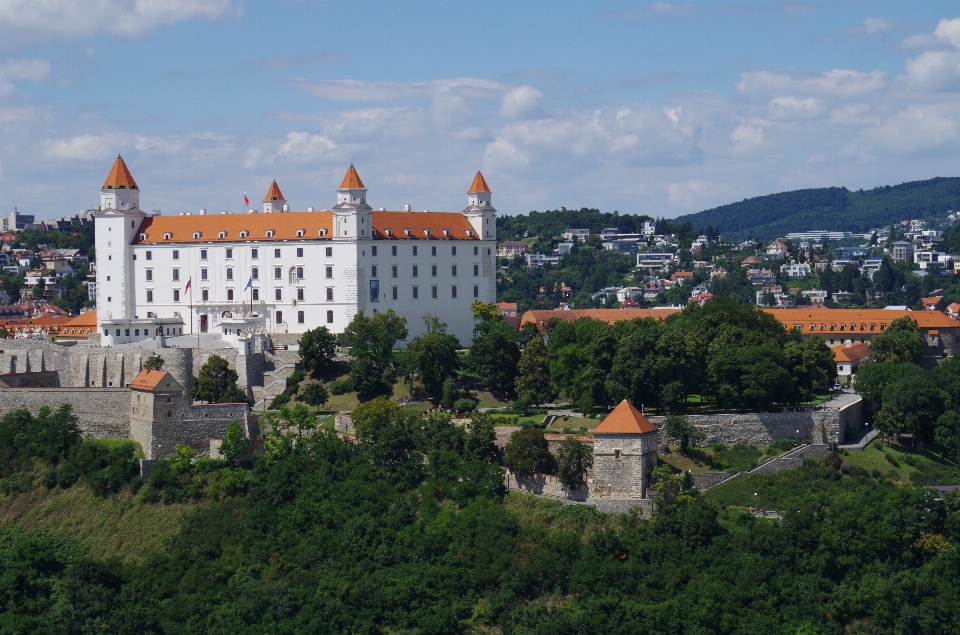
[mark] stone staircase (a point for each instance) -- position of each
(278, 365)
(787, 461)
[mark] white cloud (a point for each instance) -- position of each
(86, 147)
(25, 22)
(787, 108)
(876, 26)
(672, 9)
(32, 70)
(501, 155)
(303, 146)
(352, 90)
(835, 83)
(934, 70)
(522, 101)
(747, 138)
(949, 31)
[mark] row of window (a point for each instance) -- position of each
(394, 273)
(136, 333)
(278, 293)
(301, 319)
(299, 274)
(843, 327)
(255, 252)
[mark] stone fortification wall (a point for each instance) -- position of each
(102, 412)
(43, 379)
(546, 485)
(115, 367)
(762, 429)
(195, 426)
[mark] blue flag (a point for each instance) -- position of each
(249, 283)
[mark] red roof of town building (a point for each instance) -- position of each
(119, 177)
(351, 180)
(274, 194)
(853, 353)
(479, 185)
(625, 419)
(681, 274)
(152, 379)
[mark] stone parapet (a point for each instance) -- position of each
(103, 413)
(705, 480)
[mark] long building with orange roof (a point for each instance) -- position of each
(283, 271)
(835, 326)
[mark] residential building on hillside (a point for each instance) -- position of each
(512, 248)
(580, 234)
(287, 272)
(539, 260)
(901, 251)
(818, 235)
(777, 249)
(16, 222)
(655, 261)
(796, 270)
(932, 260)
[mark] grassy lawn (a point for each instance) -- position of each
(736, 459)
(888, 462)
(508, 420)
(112, 527)
(574, 424)
(117, 443)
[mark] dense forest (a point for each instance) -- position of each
(409, 531)
(832, 208)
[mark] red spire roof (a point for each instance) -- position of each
(274, 194)
(351, 180)
(119, 177)
(625, 419)
(479, 185)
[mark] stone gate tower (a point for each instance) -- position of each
(624, 454)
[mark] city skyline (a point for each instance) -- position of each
(654, 107)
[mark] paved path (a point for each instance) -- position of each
(862, 442)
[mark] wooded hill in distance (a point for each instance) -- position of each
(830, 208)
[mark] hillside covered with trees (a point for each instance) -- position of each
(830, 208)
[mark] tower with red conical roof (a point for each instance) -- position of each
(119, 191)
(479, 211)
(273, 201)
(351, 214)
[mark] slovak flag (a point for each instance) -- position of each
(187, 288)
(246, 201)
(249, 283)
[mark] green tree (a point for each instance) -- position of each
(234, 443)
(573, 460)
(873, 378)
(235, 394)
(681, 429)
(947, 434)
(811, 364)
(526, 452)
(434, 356)
(315, 394)
(213, 380)
(494, 354)
(154, 362)
(533, 373)
(318, 348)
(912, 405)
(902, 342)
(371, 342)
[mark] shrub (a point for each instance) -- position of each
(340, 386)
(295, 378)
(16, 484)
(892, 460)
(49, 478)
(67, 475)
(465, 405)
(279, 401)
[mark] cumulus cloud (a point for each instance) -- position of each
(25, 22)
(352, 90)
(876, 26)
(789, 107)
(303, 146)
(935, 70)
(33, 70)
(948, 31)
(520, 102)
(835, 83)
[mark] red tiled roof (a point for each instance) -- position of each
(119, 177)
(625, 419)
(419, 222)
(478, 185)
(273, 194)
(850, 353)
(150, 379)
(351, 180)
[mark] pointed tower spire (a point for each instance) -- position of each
(274, 202)
(479, 185)
(351, 180)
(119, 177)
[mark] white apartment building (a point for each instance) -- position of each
(286, 272)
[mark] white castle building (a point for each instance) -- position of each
(286, 272)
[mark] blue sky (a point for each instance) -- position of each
(648, 107)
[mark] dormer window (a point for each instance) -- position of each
(388, 232)
(244, 233)
(167, 236)
(221, 235)
(143, 236)
(323, 232)
(269, 233)
(196, 235)
(408, 232)
(300, 233)
(446, 232)
(428, 232)
(470, 233)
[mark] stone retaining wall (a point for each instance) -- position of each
(103, 413)
(545, 485)
(705, 480)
